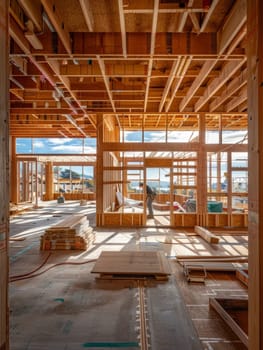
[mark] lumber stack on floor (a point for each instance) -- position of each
(132, 264)
(73, 232)
(19, 208)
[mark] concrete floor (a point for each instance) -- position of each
(65, 307)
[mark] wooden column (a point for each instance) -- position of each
(99, 171)
(201, 176)
(13, 173)
(49, 181)
(255, 160)
(4, 176)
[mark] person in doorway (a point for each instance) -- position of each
(149, 199)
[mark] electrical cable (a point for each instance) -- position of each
(26, 276)
(29, 273)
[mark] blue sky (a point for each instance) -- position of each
(56, 146)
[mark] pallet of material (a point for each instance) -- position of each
(72, 233)
(206, 235)
(235, 313)
(132, 265)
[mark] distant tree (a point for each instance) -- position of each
(67, 174)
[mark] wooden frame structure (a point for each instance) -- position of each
(154, 66)
(188, 170)
(68, 68)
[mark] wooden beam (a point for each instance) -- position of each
(17, 34)
(106, 81)
(195, 22)
(185, 62)
(255, 184)
(59, 25)
(152, 48)
(229, 90)
(183, 16)
(226, 73)
(209, 15)
(86, 9)
(205, 70)
(33, 11)
(235, 21)
(206, 235)
(122, 26)
(88, 43)
(236, 101)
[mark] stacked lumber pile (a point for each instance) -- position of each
(19, 208)
(73, 232)
(132, 265)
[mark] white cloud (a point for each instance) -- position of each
(69, 148)
(59, 141)
(39, 144)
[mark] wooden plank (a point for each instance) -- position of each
(213, 259)
(206, 235)
(222, 306)
(213, 266)
(158, 162)
(69, 222)
(209, 257)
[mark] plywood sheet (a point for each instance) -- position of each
(132, 262)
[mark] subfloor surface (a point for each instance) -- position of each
(57, 303)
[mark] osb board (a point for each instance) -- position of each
(132, 262)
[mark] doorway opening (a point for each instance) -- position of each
(159, 181)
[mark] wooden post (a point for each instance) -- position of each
(201, 177)
(13, 173)
(255, 162)
(99, 171)
(229, 187)
(4, 175)
(49, 181)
